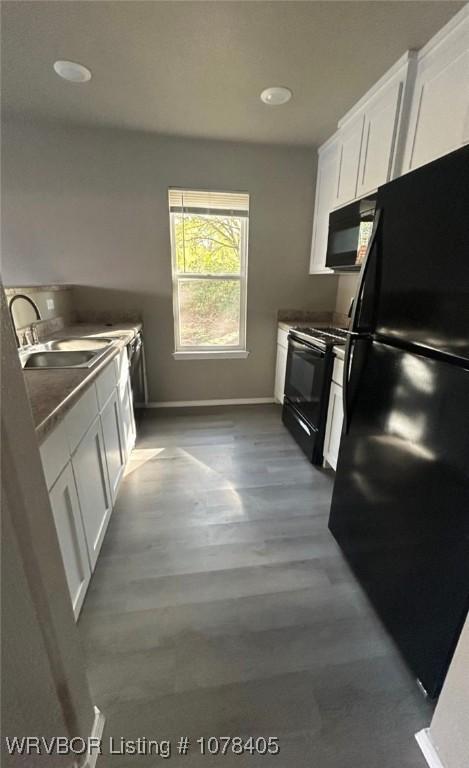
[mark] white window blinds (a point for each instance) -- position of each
(209, 203)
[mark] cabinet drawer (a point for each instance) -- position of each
(54, 454)
(105, 384)
(81, 416)
(338, 371)
(282, 337)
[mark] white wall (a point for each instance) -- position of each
(450, 725)
(89, 206)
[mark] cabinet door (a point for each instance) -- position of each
(350, 143)
(68, 522)
(379, 138)
(326, 182)
(89, 467)
(113, 442)
(335, 417)
(280, 371)
(127, 416)
(439, 121)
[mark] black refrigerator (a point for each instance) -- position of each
(400, 506)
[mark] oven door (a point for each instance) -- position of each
(306, 368)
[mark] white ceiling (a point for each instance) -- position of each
(197, 68)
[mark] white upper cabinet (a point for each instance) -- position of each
(371, 135)
(378, 139)
(380, 134)
(418, 111)
(439, 120)
(350, 143)
(326, 181)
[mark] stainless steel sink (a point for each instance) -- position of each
(78, 343)
(44, 357)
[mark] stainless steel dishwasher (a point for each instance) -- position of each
(136, 355)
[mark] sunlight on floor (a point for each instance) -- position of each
(139, 457)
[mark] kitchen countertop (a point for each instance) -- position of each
(339, 351)
(286, 325)
(53, 391)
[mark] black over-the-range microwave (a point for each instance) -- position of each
(350, 229)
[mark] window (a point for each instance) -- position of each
(209, 239)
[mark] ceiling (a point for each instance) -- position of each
(197, 68)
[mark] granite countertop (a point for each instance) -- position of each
(53, 391)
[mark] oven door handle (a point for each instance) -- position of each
(302, 345)
(354, 333)
(366, 263)
(309, 430)
(304, 427)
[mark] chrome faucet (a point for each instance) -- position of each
(34, 306)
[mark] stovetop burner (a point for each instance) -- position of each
(328, 336)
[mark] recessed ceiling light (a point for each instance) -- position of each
(276, 95)
(73, 72)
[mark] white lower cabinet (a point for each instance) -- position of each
(113, 442)
(69, 526)
(281, 364)
(84, 461)
(335, 417)
(90, 470)
(280, 372)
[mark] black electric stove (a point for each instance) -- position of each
(307, 385)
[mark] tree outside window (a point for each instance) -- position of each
(209, 252)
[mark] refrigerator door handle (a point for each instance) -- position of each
(353, 334)
(345, 399)
(364, 270)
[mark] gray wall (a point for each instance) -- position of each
(89, 206)
(346, 288)
(24, 314)
(449, 728)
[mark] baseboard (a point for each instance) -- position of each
(201, 403)
(96, 733)
(429, 752)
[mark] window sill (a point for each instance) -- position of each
(222, 354)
